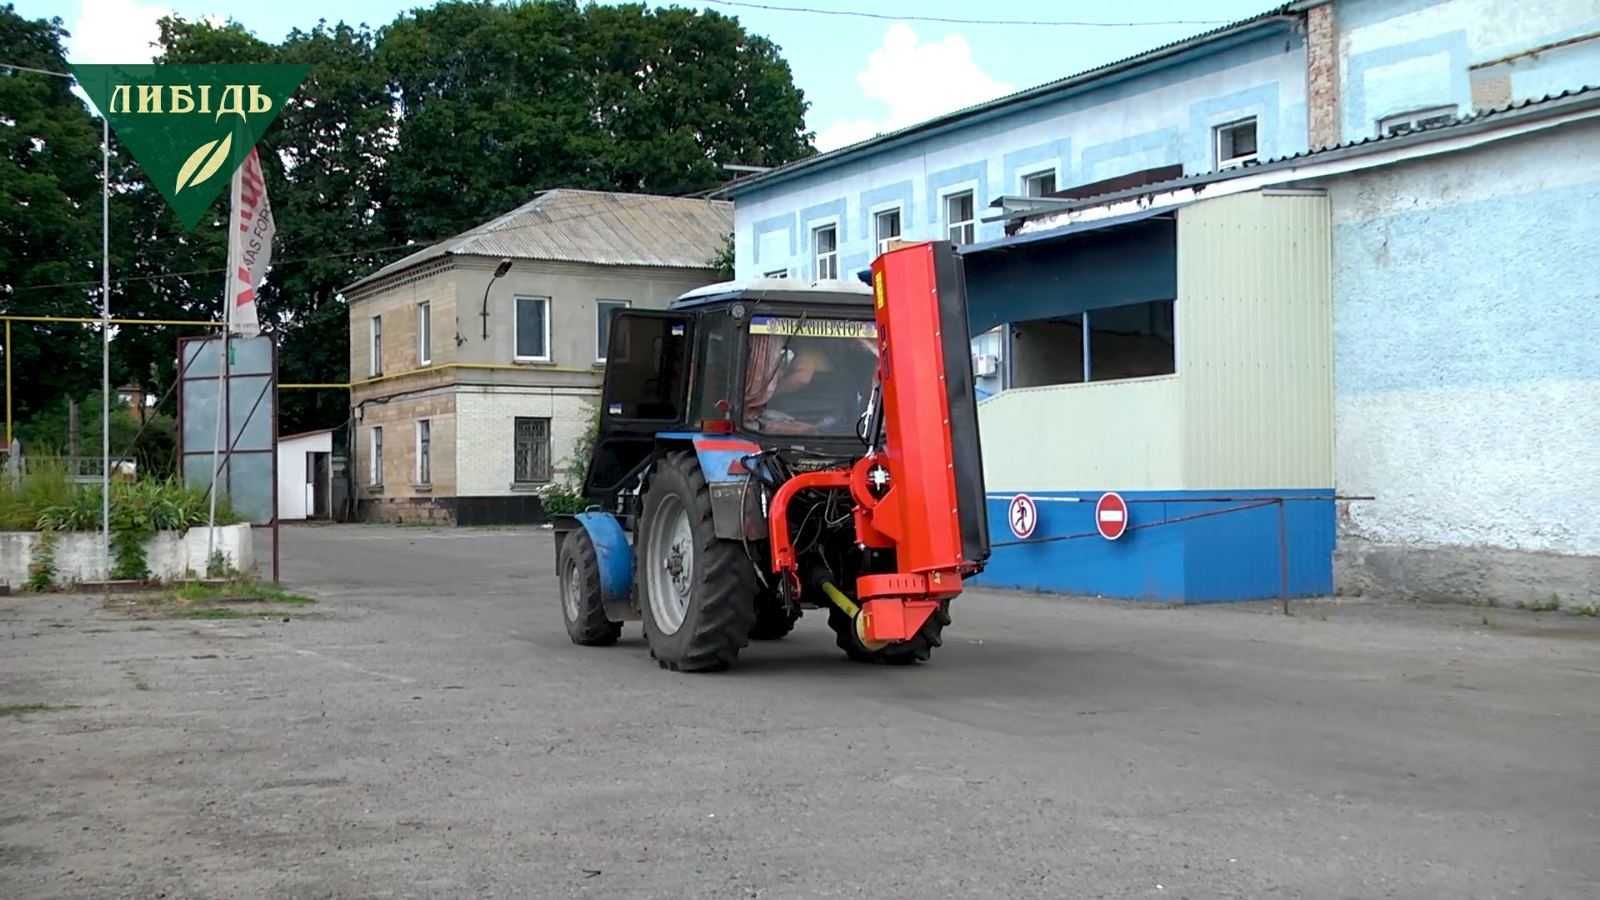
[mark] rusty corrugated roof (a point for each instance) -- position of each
(599, 227)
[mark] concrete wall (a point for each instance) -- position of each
(1401, 55)
(398, 306)
(170, 555)
(294, 493)
(1157, 118)
(573, 289)
(1467, 372)
(401, 496)
(486, 436)
(472, 410)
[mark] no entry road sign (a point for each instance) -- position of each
(1111, 515)
(1022, 516)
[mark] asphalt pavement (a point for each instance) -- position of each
(427, 730)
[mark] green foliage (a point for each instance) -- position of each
(723, 261)
(46, 485)
(49, 175)
(562, 500)
(240, 590)
(42, 568)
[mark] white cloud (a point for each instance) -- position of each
(913, 80)
(115, 31)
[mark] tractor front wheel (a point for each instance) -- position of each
(696, 592)
(582, 606)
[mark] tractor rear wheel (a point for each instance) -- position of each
(581, 603)
(900, 653)
(696, 592)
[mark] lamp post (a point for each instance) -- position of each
(499, 273)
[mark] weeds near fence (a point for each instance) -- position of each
(47, 500)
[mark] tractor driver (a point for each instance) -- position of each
(822, 389)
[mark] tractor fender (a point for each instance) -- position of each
(615, 554)
(719, 457)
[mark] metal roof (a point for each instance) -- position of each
(1021, 98)
(611, 229)
(1052, 234)
(1569, 101)
(782, 289)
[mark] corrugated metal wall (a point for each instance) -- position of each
(1255, 342)
(1084, 437)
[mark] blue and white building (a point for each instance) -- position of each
(1337, 250)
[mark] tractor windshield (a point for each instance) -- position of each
(808, 375)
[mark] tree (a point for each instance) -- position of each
(498, 102)
(49, 215)
(427, 127)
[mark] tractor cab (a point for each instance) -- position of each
(771, 365)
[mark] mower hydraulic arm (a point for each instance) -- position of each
(918, 490)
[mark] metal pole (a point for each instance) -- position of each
(105, 346)
(8, 383)
(222, 391)
(1283, 557)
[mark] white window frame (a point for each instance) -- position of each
(421, 477)
(600, 304)
(375, 346)
(1216, 143)
(969, 225)
(832, 256)
(424, 333)
(777, 273)
(516, 342)
(375, 454)
(1054, 174)
(878, 215)
(1410, 118)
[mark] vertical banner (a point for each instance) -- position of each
(250, 232)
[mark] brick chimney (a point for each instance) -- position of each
(1322, 77)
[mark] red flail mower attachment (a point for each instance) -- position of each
(918, 490)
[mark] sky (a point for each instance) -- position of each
(861, 75)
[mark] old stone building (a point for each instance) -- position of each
(474, 363)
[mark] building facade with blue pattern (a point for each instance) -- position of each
(1240, 277)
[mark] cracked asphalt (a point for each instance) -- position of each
(427, 730)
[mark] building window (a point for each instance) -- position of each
(424, 333)
(1236, 143)
(1106, 344)
(825, 249)
(776, 273)
(1416, 120)
(533, 329)
(604, 310)
(424, 451)
(375, 464)
(1039, 184)
(960, 224)
(886, 228)
(532, 449)
(375, 364)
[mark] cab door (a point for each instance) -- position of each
(649, 370)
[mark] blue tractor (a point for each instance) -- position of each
(753, 461)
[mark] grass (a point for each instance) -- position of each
(21, 709)
(243, 591)
(239, 599)
(205, 612)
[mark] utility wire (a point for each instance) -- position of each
(6, 65)
(956, 20)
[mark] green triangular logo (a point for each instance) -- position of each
(190, 126)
